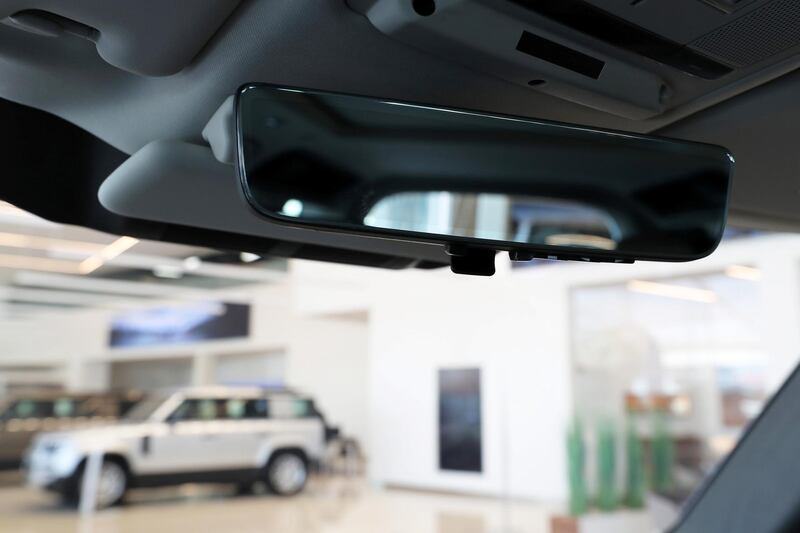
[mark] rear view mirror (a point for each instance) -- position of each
(477, 183)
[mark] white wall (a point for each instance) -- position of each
(258, 367)
(149, 374)
(328, 357)
(423, 322)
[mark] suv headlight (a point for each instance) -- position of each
(51, 447)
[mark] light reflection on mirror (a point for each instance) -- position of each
(499, 217)
(292, 208)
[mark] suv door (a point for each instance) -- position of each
(245, 429)
(204, 435)
(185, 443)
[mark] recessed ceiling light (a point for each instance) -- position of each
(247, 257)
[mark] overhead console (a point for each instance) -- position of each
(636, 59)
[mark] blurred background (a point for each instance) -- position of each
(553, 397)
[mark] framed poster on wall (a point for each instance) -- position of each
(460, 436)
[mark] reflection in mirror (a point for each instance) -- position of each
(520, 219)
(375, 167)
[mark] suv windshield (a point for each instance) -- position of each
(143, 410)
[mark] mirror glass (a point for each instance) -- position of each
(496, 217)
(365, 165)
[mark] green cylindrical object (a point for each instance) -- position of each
(576, 458)
(634, 453)
(663, 454)
(606, 468)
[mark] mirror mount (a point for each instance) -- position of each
(220, 132)
(521, 256)
(471, 260)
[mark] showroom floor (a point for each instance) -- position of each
(331, 505)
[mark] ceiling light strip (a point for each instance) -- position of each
(92, 263)
(37, 242)
(743, 272)
(669, 290)
(38, 263)
(105, 286)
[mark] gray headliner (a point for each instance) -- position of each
(292, 42)
(306, 43)
(125, 32)
(327, 46)
(761, 129)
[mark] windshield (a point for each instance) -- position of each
(144, 409)
(602, 388)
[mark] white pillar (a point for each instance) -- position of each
(86, 375)
(203, 368)
(779, 322)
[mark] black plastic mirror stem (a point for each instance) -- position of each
(471, 260)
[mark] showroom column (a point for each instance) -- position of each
(202, 368)
(86, 375)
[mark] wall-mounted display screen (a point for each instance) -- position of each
(180, 324)
(460, 439)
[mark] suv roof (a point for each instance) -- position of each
(221, 391)
(44, 395)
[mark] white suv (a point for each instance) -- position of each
(214, 434)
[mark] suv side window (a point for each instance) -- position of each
(237, 409)
(30, 409)
(65, 408)
(240, 409)
(25, 409)
(123, 406)
(199, 409)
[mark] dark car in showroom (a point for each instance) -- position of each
(24, 415)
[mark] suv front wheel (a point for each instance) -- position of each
(111, 485)
(287, 473)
